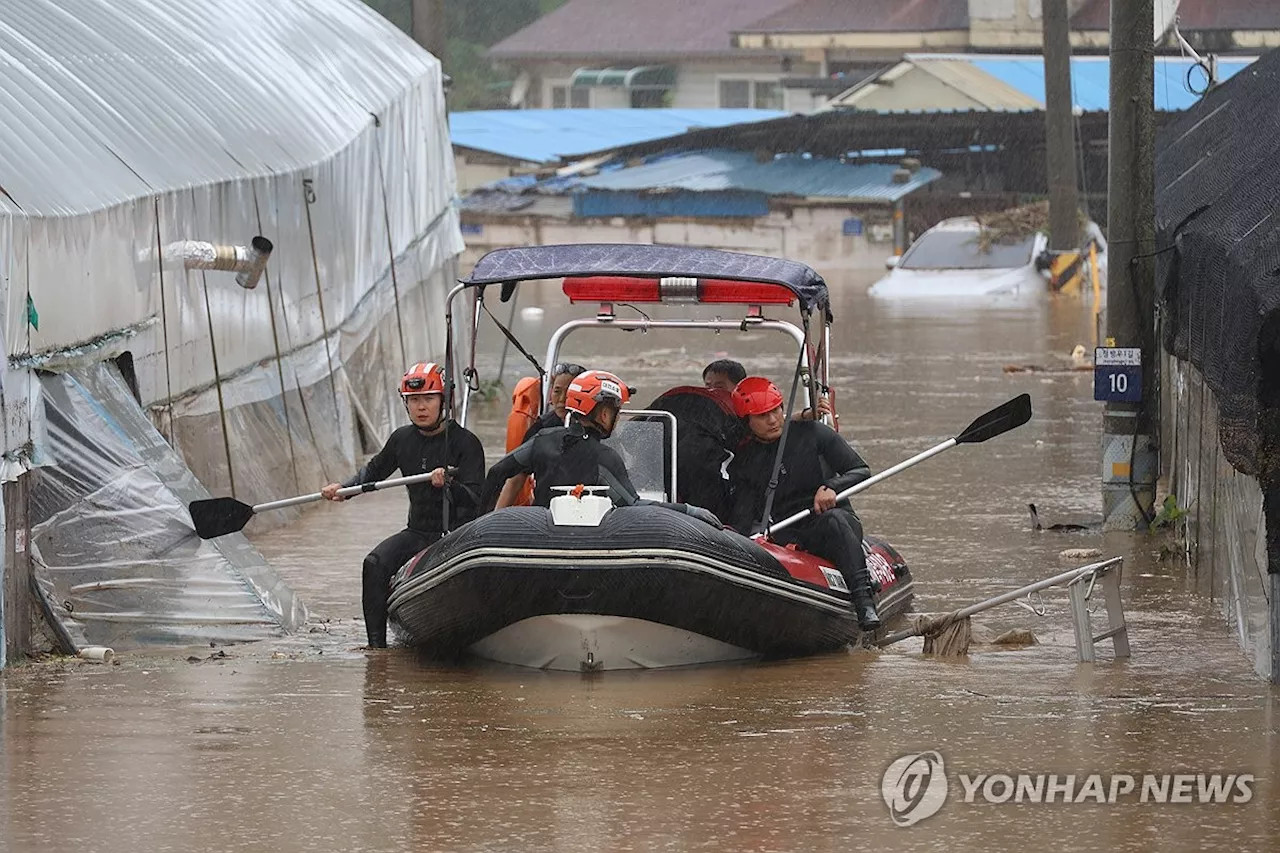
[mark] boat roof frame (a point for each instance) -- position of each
(510, 266)
(656, 262)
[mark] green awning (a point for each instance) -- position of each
(640, 77)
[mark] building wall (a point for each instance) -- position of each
(914, 90)
(476, 170)
(1005, 23)
(697, 82)
(812, 234)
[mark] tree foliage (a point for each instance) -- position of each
(473, 27)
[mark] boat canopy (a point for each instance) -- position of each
(650, 262)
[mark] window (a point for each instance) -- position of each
(962, 250)
(741, 94)
(768, 95)
(573, 97)
(735, 94)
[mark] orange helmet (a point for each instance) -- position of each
(425, 377)
(755, 395)
(594, 387)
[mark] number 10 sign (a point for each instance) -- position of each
(1117, 374)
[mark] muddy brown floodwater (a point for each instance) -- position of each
(308, 744)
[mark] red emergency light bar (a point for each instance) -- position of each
(719, 291)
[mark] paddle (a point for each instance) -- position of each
(219, 516)
(998, 421)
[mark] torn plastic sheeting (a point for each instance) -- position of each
(112, 544)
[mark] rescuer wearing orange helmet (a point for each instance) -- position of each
(561, 376)
(430, 444)
(816, 464)
(574, 454)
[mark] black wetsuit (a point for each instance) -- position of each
(563, 456)
(547, 421)
(568, 456)
(412, 452)
(815, 456)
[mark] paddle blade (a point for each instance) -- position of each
(999, 420)
(219, 516)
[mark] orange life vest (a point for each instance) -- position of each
(526, 401)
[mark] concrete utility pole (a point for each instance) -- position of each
(1130, 447)
(1060, 138)
(429, 27)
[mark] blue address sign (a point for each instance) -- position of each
(1117, 374)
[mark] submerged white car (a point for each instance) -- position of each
(948, 261)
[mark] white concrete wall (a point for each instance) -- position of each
(472, 175)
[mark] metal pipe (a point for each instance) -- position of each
(628, 325)
(869, 482)
(259, 251)
(1067, 577)
(470, 372)
(825, 368)
(249, 261)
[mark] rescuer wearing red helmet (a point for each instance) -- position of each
(816, 464)
(455, 459)
(574, 454)
(724, 375)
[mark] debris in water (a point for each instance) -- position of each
(1016, 224)
(1036, 525)
(1016, 637)
(1080, 554)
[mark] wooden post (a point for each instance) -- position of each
(18, 601)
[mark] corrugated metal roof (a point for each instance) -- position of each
(625, 28)
(1090, 77)
(544, 136)
(108, 100)
(808, 177)
(1010, 83)
(866, 16)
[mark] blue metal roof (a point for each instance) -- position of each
(1090, 77)
(793, 175)
(545, 136)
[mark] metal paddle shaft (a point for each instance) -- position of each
(219, 516)
(1066, 577)
(998, 421)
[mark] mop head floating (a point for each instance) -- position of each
(944, 635)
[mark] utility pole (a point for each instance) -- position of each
(429, 26)
(1060, 138)
(1130, 443)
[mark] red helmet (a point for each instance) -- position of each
(593, 387)
(425, 377)
(755, 395)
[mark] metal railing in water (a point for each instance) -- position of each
(1080, 583)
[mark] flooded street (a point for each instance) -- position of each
(310, 744)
